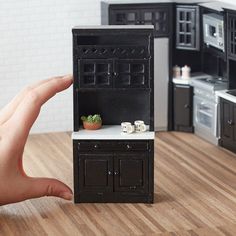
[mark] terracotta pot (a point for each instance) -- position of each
(92, 126)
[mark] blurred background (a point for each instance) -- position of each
(35, 44)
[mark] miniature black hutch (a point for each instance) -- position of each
(113, 77)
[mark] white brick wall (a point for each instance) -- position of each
(36, 43)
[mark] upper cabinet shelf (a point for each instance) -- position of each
(115, 58)
(187, 27)
(158, 15)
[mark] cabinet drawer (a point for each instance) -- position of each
(131, 146)
(95, 146)
(104, 146)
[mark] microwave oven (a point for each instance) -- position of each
(213, 27)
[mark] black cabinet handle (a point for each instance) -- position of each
(109, 172)
(116, 173)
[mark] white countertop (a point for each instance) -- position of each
(110, 132)
(113, 27)
(193, 76)
(181, 81)
(225, 95)
(218, 5)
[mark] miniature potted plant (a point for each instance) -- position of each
(92, 122)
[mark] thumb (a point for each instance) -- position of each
(40, 187)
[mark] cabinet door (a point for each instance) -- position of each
(131, 172)
(95, 172)
(226, 119)
(233, 123)
(232, 35)
(183, 105)
(187, 28)
(123, 16)
(159, 17)
(95, 73)
(131, 74)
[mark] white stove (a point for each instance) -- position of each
(206, 106)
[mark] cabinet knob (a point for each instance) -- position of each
(128, 146)
(116, 173)
(109, 172)
(186, 106)
(230, 122)
(95, 146)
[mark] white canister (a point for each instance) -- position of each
(185, 72)
(176, 71)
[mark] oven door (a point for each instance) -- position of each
(205, 115)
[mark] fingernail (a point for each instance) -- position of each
(67, 77)
(66, 195)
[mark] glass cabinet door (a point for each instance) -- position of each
(159, 18)
(232, 36)
(95, 73)
(131, 73)
(124, 17)
(187, 28)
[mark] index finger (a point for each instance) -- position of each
(28, 110)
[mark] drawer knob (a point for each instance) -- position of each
(109, 172)
(230, 122)
(116, 173)
(128, 146)
(95, 146)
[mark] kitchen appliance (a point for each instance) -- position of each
(161, 78)
(206, 107)
(213, 26)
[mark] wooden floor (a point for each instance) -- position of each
(195, 193)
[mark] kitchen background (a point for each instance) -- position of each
(36, 43)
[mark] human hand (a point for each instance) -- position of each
(16, 120)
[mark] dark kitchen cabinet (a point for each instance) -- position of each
(232, 36)
(158, 15)
(95, 172)
(126, 73)
(131, 172)
(228, 124)
(183, 108)
(113, 171)
(187, 27)
(113, 77)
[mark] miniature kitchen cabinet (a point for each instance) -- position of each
(187, 27)
(232, 35)
(159, 15)
(228, 127)
(183, 107)
(113, 77)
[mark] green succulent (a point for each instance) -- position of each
(92, 118)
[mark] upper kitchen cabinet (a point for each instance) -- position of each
(232, 36)
(104, 61)
(187, 27)
(159, 15)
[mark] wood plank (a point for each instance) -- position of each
(195, 193)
